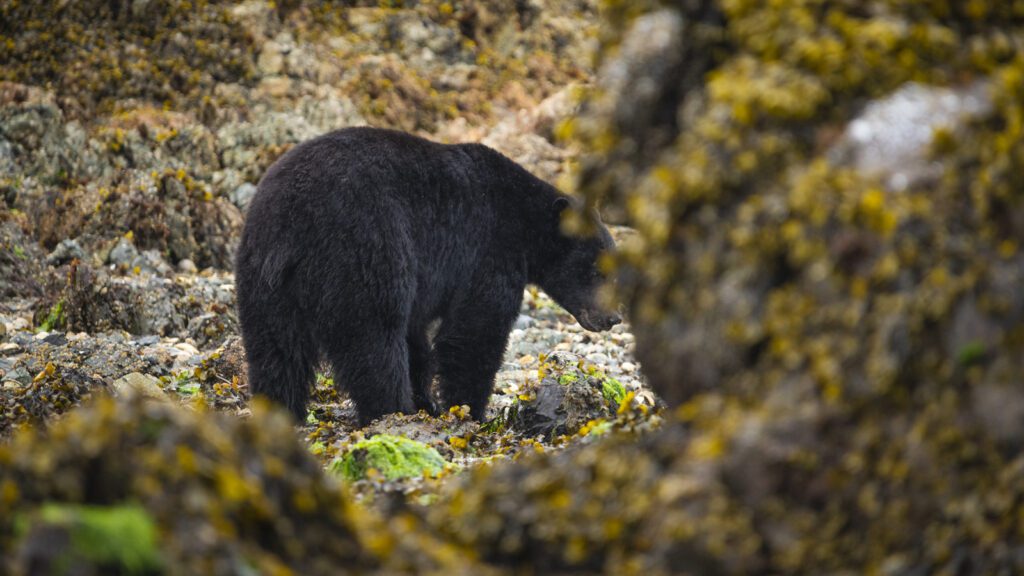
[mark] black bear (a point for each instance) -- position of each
(358, 240)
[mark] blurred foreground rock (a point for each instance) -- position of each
(230, 496)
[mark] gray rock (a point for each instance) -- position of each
(242, 195)
(123, 253)
(136, 383)
(892, 136)
(67, 250)
(558, 408)
(523, 322)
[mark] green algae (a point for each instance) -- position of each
(122, 538)
(613, 391)
(55, 318)
(393, 457)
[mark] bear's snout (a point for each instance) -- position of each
(598, 321)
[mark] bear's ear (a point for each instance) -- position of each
(559, 205)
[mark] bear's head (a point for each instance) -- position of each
(572, 274)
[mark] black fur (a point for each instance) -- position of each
(359, 239)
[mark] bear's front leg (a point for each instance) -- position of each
(471, 343)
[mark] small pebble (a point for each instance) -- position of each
(523, 322)
(9, 348)
(187, 266)
(186, 347)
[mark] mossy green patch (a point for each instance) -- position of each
(613, 390)
(122, 537)
(393, 457)
(55, 318)
(971, 354)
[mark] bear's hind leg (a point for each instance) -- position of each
(374, 370)
(281, 362)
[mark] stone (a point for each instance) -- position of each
(137, 383)
(242, 195)
(891, 138)
(271, 60)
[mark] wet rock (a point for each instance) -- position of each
(423, 428)
(523, 322)
(249, 148)
(227, 362)
(564, 401)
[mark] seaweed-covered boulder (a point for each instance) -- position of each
(164, 210)
(569, 395)
(391, 457)
(621, 505)
(161, 51)
(834, 335)
(226, 495)
(770, 250)
(850, 307)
